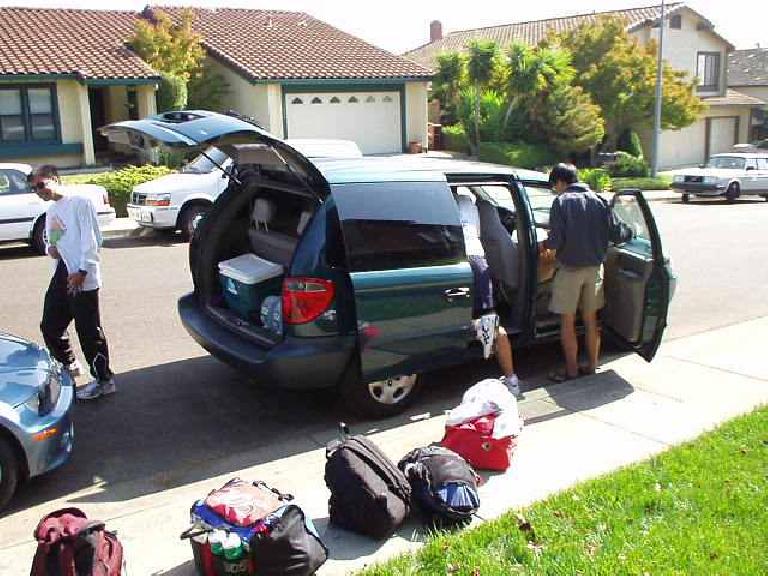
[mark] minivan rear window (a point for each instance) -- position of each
(392, 225)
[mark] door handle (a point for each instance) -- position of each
(452, 293)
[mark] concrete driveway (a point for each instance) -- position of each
(182, 423)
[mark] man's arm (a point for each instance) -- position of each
(90, 236)
(556, 236)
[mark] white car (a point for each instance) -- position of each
(731, 174)
(22, 212)
(176, 201)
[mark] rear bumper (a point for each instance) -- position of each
(299, 363)
(699, 188)
(106, 217)
(154, 216)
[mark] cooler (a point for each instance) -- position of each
(246, 281)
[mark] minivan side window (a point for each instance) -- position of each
(393, 225)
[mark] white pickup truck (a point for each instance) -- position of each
(22, 212)
(175, 201)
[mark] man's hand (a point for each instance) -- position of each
(75, 282)
(53, 252)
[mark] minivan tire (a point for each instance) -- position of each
(357, 396)
(187, 219)
(732, 192)
(686, 198)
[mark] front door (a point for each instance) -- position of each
(412, 282)
(637, 280)
(97, 98)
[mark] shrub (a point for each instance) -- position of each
(628, 165)
(597, 178)
(493, 107)
(120, 183)
(171, 93)
(629, 142)
(455, 139)
(520, 154)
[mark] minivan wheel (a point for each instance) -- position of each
(686, 198)
(380, 398)
(187, 218)
(732, 193)
(9, 472)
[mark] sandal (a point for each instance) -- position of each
(586, 371)
(562, 376)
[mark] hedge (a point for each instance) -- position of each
(119, 183)
(454, 139)
(658, 183)
(520, 155)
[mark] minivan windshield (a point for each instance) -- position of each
(727, 162)
(203, 165)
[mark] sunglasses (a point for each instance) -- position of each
(41, 184)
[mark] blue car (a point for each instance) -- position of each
(36, 398)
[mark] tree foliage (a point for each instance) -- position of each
(483, 58)
(620, 75)
(208, 90)
(448, 80)
(170, 48)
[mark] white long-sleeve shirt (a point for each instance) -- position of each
(71, 225)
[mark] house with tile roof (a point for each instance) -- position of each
(691, 44)
(748, 74)
(65, 73)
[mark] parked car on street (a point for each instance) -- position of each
(22, 212)
(731, 174)
(353, 273)
(176, 201)
(36, 395)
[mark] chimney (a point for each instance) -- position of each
(435, 31)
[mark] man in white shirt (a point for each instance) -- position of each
(73, 240)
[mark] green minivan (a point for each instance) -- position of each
(368, 282)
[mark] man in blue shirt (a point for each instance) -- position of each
(581, 225)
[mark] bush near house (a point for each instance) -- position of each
(658, 183)
(598, 178)
(627, 165)
(519, 154)
(120, 183)
(455, 139)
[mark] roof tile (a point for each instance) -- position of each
(748, 67)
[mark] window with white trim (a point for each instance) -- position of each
(27, 115)
(708, 71)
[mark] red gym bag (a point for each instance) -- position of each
(474, 441)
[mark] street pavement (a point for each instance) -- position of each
(182, 423)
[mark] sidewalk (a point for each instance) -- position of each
(574, 431)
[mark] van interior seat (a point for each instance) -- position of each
(267, 243)
(501, 249)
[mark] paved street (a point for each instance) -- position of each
(181, 419)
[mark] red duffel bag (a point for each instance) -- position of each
(474, 441)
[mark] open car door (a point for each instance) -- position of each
(637, 280)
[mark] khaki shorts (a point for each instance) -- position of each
(575, 288)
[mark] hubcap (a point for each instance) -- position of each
(392, 390)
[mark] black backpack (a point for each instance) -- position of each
(369, 495)
(443, 484)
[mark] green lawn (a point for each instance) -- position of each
(700, 508)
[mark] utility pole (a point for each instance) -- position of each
(659, 95)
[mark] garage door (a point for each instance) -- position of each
(371, 119)
(722, 134)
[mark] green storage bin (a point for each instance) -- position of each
(246, 281)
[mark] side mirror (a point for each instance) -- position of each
(751, 168)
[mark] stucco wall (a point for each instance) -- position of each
(245, 98)
(416, 113)
(68, 95)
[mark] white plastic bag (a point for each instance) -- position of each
(485, 331)
(489, 396)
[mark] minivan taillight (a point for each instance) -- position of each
(304, 299)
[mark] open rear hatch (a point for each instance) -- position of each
(242, 249)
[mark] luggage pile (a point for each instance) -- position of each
(485, 426)
(252, 529)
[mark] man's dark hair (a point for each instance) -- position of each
(46, 171)
(565, 172)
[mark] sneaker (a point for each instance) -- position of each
(75, 369)
(513, 385)
(96, 388)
